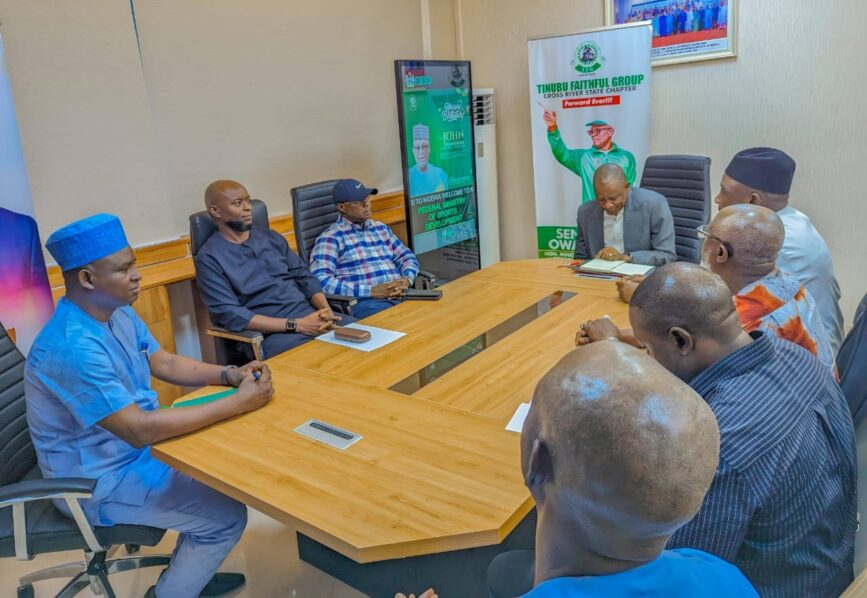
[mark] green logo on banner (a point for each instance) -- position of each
(556, 241)
(588, 58)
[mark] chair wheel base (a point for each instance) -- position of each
(25, 591)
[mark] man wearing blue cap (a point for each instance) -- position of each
(763, 176)
(424, 177)
(250, 279)
(92, 412)
(362, 257)
(584, 162)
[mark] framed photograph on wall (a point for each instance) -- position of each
(683, 30)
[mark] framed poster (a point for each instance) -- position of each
(438, 164)
(683, 30)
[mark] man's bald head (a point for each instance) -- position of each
(754, 233)
(228, 204)
(683, 313)
(617, 452)
(611, 188)
(217, 191)
(609, 173)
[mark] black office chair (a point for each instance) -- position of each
(852, 365)
(227, 342)
(30, 524)
(685, 183)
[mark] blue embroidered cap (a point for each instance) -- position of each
(87, 240)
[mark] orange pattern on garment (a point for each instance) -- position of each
(755, 305)
(795, 331)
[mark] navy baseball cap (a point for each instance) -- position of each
(350, 190)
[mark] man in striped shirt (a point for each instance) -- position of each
(782, 506)
(362, 257)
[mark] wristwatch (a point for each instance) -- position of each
(291, 325)
(224, 375)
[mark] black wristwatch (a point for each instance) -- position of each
(291, 325)
(224, 375)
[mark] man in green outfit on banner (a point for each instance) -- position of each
(584, 162)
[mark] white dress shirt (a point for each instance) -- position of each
(613, 230)
(805, 256)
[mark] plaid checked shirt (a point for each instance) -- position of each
(350, 259)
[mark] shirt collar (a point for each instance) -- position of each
(614, 148)
(744, 359)
(347, 224)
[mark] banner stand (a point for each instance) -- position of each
(589, 105)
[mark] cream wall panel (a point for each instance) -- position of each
(83, 114)
(274, 93)
(798, 84)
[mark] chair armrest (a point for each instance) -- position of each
(45, 488)
(341, 298)
(242, 336)
(341, 303)
(67, 489)
(428, 280)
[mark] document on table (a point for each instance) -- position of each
(615, 268)
(379, 337)
(516, 424)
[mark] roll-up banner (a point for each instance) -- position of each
(589, 105)
(438, 162)
(25, 296)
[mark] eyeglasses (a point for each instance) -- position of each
(704, 230)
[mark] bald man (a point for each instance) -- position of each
(782, 506)
(741, 244)
(618, 454)
(624, 223)
(763, 176)
(250, 279)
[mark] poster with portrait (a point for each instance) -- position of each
(589, 106)
(683, 30)
(25, 296)
(439, 168)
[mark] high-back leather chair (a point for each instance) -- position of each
(852, 365)
(685, 182)
(30, 524)
(226, 343)
(313, 211)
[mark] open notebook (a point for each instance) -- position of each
(615, 268)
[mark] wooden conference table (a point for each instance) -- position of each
(436, 474)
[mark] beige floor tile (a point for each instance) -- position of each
(267, 554)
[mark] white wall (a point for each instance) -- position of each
(274, 93)
(83, 114)
(798, 84)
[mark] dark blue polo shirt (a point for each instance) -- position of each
(782, 506)
(261, 276)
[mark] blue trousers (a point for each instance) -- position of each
(367, 307)
(209, 522)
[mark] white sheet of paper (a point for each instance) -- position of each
(379, 337)
(517, 422)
